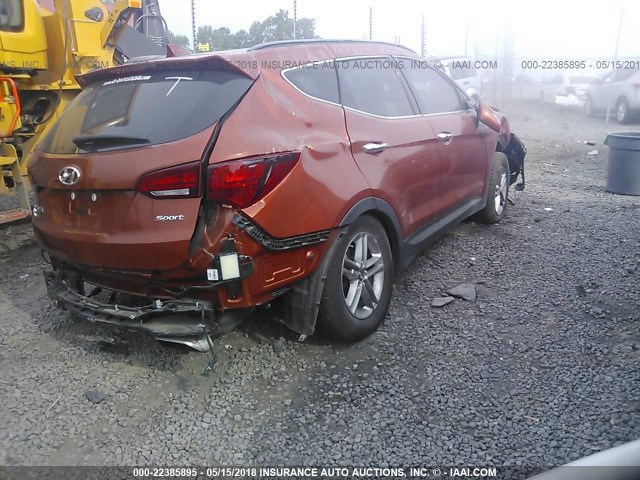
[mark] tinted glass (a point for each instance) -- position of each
(433, 92)
(319, 81)
(574, 80)
(158, 107)
(11, 15)
(372, 85)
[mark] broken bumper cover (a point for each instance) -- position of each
(170, 319)
(190, 323)
(174, 322)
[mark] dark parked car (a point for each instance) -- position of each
(176, 195)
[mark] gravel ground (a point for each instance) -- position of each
(543, 368)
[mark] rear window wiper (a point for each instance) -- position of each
(95, 142)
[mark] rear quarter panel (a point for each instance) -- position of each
(319, 191)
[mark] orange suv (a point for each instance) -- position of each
(176, 195)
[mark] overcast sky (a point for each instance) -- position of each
(541, 28)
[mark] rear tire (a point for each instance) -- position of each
(357, 291)
(498, 192)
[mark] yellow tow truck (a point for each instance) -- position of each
(43, 46)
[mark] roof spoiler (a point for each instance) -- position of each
(153, 63)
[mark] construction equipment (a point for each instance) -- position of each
(43, 46)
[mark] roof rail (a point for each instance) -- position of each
(287, 43)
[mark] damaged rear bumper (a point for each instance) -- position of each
(183, 322)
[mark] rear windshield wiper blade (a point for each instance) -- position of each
(93, 142)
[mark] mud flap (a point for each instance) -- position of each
(301, 304)
(515, 152)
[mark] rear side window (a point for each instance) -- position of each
(11, 17)
(373, 85)
(317, 80)
(145, 109)
(433, 92)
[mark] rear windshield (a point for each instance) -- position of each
(577, 80)
(154, 108)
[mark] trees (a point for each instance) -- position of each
(280, 27)
(178, 39)
(274, 28)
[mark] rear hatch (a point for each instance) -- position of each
(118, 177)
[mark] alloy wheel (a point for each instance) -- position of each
(500, 198)
(362, 275)
(622, 111)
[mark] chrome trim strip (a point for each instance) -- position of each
(334, 60)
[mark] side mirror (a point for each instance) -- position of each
(487, 116)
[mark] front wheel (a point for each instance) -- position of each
(588, 108)
(622, 111)
(498, 193)
(357, 291)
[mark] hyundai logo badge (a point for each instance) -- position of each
(69, 176)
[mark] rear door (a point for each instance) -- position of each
(118, 176)
(464, 163)
(394, 147)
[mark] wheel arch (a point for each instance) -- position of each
(300, 307)
(621, 98)
(386, 215)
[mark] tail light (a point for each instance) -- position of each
(241, 183)
(182, 181)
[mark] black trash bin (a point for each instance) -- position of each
(623, 175)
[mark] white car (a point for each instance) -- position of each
(462, 71)
(620, 89)
(566, 89)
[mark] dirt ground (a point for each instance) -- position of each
(542, 369)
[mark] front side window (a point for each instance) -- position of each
(373, 85)
(11, 16)
(433, 92)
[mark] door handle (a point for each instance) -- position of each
(373, 148)
(445, 137)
